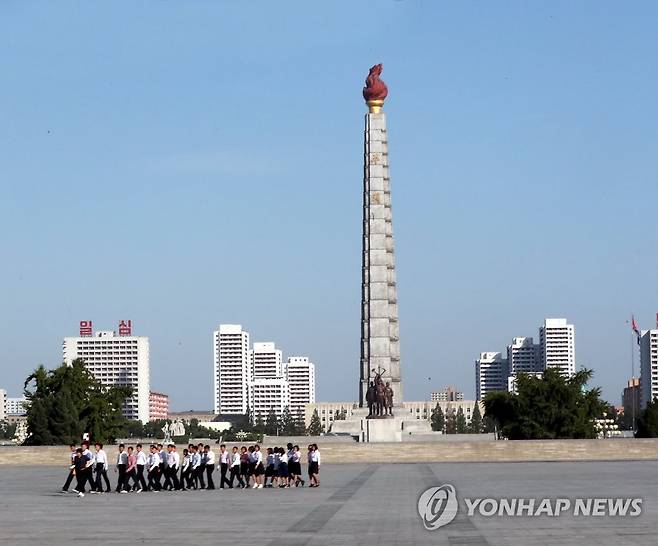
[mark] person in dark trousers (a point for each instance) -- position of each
(154, 470)
(224, 465)
(101, 469)
(235, 469)
(122, 463)
(71, 475)
(142, 461)
(131, 471)
(210, 466)
(163, 458)
(79, 467)
(173, 463)
(185, 480)
(244, 466)
(89, 468)
(197, 469)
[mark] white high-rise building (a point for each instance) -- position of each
(232, 370)
(491, 371)
(266, 394)
(301, 383)
(266, 360)
(3, 404)
(649, 366)
(557, 346)
(116, 360)
(524, 356)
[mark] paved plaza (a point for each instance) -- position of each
(356, 504)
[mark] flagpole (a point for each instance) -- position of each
(633, 393)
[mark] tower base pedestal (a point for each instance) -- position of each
(386, 429)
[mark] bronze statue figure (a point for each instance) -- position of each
(379, 397)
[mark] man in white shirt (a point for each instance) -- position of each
(89, 471)
(122, 463)
(210, 466)
(142, 461)
(154, 470)
(196, 468)
(224, 463)
(101, 469)
(173, 463)
(235, 469)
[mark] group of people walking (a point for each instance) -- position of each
(162, 469)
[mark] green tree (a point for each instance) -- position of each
(475, 427)
(460, 422)
(289, 423)
(647, 422)
(488, 424)
(549, 407)
(451, 421)
(68, 401)
(7, 431)
(259, 426)
(271, 423)
(438, 420)
(315, 428)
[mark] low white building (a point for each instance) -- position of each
(3, 404)
(447, 394)
(15, 406)
(327, 411)
(115, 360)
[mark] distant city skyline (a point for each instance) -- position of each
(193, 165)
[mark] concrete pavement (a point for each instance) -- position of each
(356, 504)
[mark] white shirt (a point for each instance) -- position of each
(210, 458)
(141, 458)
(122, 458)
(154, 461)
(163, 456)
(258, 457)
(314, 457)
(173, 459)
(196, 460)
(283, 458)
(296, 456)
(101, 457)
(235, 460)
(89, 456)
(224, 457)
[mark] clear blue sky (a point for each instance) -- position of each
(187, 164)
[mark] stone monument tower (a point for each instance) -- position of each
(380, 338)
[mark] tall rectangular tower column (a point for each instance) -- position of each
(380, 335)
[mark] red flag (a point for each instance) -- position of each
(635, 329)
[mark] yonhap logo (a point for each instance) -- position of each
(438, 506)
